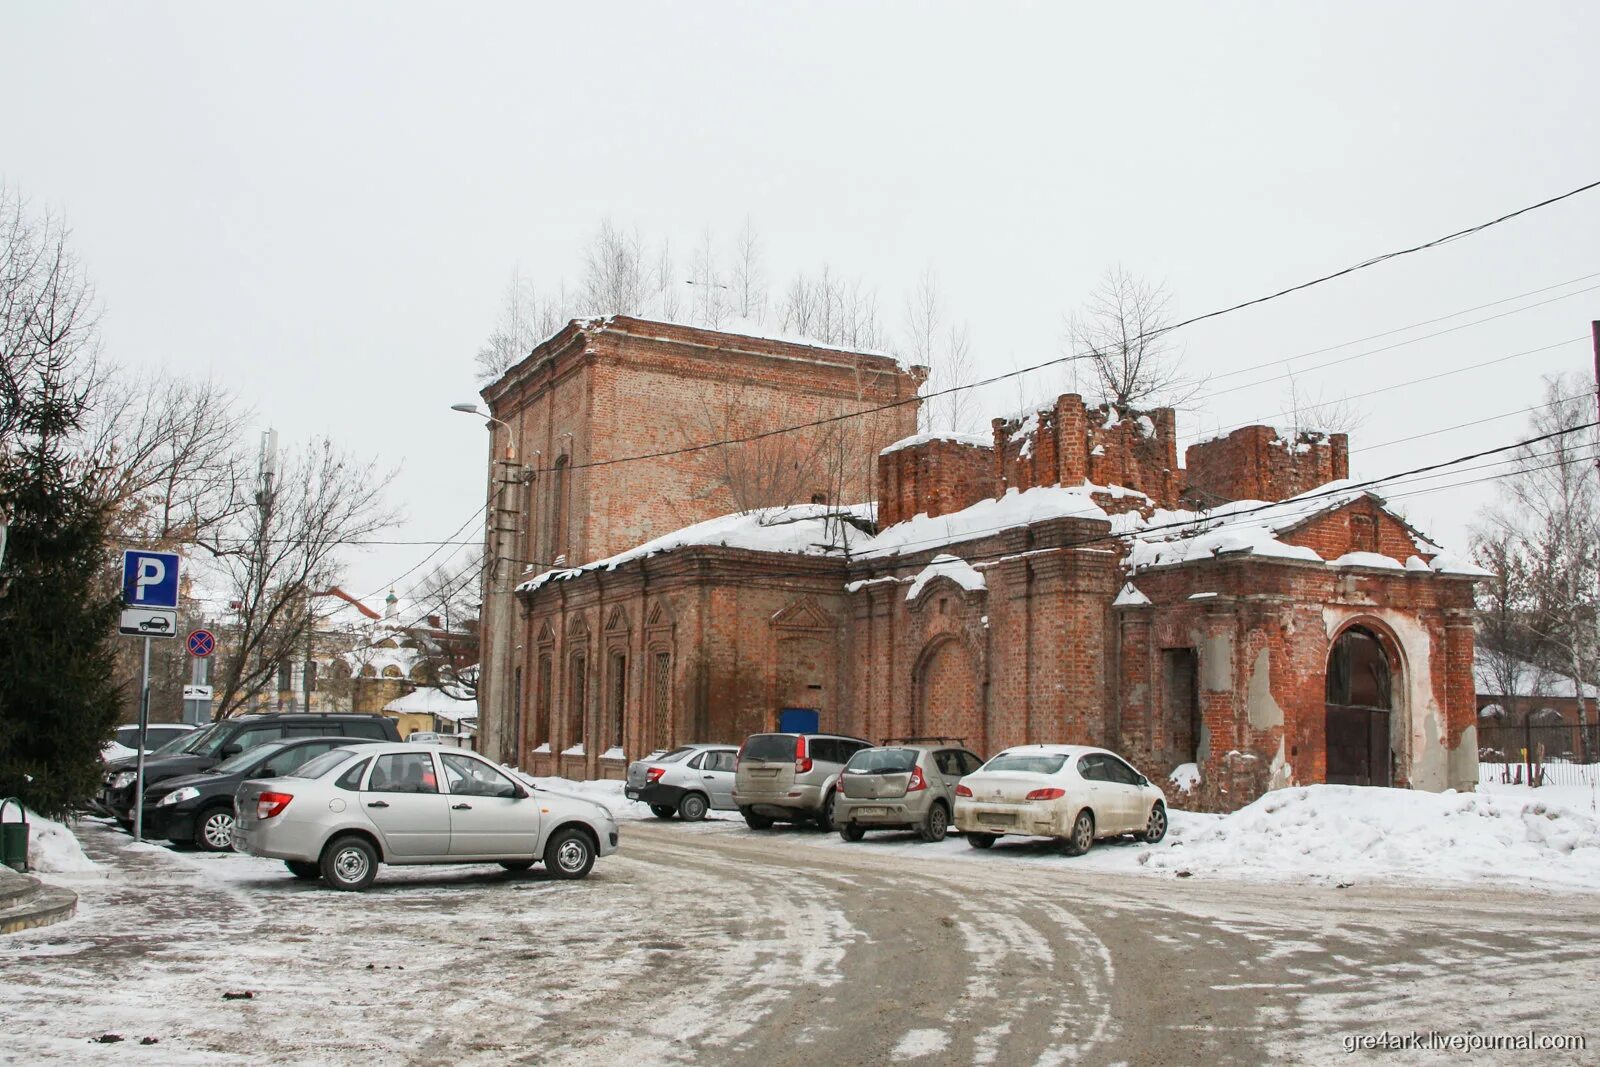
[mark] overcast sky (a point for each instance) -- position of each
(322, 204)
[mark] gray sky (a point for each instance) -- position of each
(323, 203)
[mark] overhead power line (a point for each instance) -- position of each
(1018, 372)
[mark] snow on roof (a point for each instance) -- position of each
(972, 439)
(431, 701)
(1130, 597)
(1492, 671)
(984, 518)
(954, 568)
(654, 310)
(803, 529)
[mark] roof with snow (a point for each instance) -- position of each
(432, 701)
(972, 440)
(1493, 672)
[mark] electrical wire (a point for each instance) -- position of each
(1018, 372)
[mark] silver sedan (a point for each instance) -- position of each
(342, 814)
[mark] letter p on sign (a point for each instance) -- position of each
(150, 579)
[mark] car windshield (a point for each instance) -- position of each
(193, 742)
(1028, 762)
(770, 747)
(321, 765)
(882, 761)
(177, 743)
(249, 758)
(677, 755)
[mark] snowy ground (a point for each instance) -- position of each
(1311, 915)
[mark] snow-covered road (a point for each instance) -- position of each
(710, 944)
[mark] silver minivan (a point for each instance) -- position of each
(790, 777)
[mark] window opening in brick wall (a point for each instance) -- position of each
(661, 696)
(1359, 699)
(517, 719)
(1180, 674)
(616, 700)
(1363, 533)
(541, 712)
(577, 693)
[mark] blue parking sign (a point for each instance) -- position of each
(149, 579)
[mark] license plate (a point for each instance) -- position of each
(872, 811)
(999, 818)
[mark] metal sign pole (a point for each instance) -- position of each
(144, 726)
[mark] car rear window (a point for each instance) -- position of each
(882, 761)
(321, 765)
(1029, 762)
(677, 755)
(770, 747)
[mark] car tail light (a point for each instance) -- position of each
(270, 804)
(655, 773)
(739, 756)
(802, 762)
(917, 781)
(1047, 794)
(963, 791)
(838, 784)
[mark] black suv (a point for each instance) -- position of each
(210, 745)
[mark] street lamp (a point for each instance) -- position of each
(468, 408)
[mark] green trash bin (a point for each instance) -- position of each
(14, 836)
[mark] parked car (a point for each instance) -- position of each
(1071, 792)
(901, 787)
(790, 777)
(342, 814)
(125, 740)
(198, 808)
(686, 782)
(219, 741)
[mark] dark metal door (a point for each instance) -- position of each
(1358, 745)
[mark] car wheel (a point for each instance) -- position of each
(980, 840)
(303, 870)
(213, 830)
(936, 824)
(825, 816)
(692, 808)
(569, 854)
(754, 821)
(851, 831)
(1155, 828)
(1082, 836)
(517, 865)
(349, 863)
(663, 811)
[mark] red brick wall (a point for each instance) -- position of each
(1070, 443)
(1254, 463)
(1361, 526)
(933, 478)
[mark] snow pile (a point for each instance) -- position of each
(945, 566)
(54, 849)
(1346, 834)
(1131, 596)
(1184, 777)
(802, 528)
(970, 439)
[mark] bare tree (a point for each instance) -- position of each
(1316, 412)
(444, 624)
(1551, 513)
(1507, 647)
(163, 457)
(946, 350)
(748, 282)
(525, 320)
(615, 280)
(711, 292)
(1121, 334)
(785, 468)
(832, 310)
(49, 326)
(275, 557)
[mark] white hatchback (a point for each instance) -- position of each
(1073, 793)
(340, 815)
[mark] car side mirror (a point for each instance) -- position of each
(269, 771)
(231, 749)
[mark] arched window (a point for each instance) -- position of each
(577, 696)
(557, 538)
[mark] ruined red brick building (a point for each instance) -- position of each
(1064, 578)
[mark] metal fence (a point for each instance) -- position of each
(1529, 754)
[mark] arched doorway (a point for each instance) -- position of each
(1359, 701)
(947, 703)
